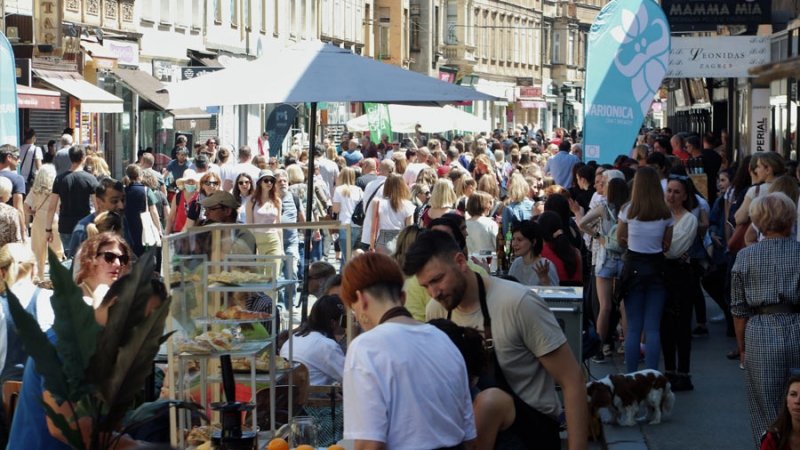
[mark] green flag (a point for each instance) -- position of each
(378, 119)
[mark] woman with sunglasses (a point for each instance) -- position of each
(243, 190)
(265, 208)
(676, 327)
(209, 183)
(103, 259)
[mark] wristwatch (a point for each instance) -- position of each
(48, 230)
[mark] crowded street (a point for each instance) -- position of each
(399, 225)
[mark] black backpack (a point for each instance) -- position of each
(360, 210)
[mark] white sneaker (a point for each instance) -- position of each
(607, 350)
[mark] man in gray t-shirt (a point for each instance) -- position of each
(531, 349)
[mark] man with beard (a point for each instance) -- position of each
(109, 195)
(529, 345)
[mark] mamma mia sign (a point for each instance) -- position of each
(628, 54)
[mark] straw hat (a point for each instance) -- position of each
(188, 174)
(265, 173)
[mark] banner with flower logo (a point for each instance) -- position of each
(9, 118)
(379, 122)
(628, 54)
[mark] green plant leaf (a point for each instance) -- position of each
(73, 436)
(124, 316)
(133, 364)
(75, 325)
(149, 411)
(39, 347)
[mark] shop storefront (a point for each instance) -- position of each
(85, 106)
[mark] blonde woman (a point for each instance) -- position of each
(519, 206)
(36, 204)
(389, 214)
(99, 164)
(17, 267)
(443, 200)
(265, 208)
(345, 198)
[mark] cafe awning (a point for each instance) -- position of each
(147, 87)
(93, 99)
(34, 98)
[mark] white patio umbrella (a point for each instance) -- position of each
(315, 72)
(432, 119)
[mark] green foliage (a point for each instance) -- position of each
(76, 328)
(98, 370)
(39, 347)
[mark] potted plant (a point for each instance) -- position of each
(99, 370)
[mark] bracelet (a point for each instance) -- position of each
(48, 230)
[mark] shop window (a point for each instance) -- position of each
(384, 36)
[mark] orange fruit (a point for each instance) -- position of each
(278, 444)
(305, 447)
(335, 447)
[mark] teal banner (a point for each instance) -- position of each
(9, 117)
(628, 54)
(379, 122)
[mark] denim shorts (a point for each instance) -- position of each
(612, 267)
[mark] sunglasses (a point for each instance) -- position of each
(678, 177)
(268, 180)
(110, 257)
(243, 182)
(211, 183)
(215, 208)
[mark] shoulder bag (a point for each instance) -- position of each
(360, 210)
(737, 242)
(612, 245)
(150, 234)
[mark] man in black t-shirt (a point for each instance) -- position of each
(75, 190)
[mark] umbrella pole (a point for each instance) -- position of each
(312, 141)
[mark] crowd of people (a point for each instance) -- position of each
(444, 239)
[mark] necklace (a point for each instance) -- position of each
(397, 311)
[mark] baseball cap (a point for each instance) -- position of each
(223, 198)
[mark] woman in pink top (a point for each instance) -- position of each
(265, 208)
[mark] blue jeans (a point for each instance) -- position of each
(644, 307)
(354, 231)
(66, 238)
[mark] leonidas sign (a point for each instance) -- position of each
(716, 57)
(697, 15)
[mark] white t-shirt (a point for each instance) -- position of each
(412, 170)
(24, 290)
(26, 159)
(247, 168)
(407, 386)
(375, 186)
(645, 237)
(389, 219)
(228, 172)
(482, 234)
(347, 203)
(322, 355)
(763, 189)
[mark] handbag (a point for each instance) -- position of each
(150, 234)
(360, 210)
(736, 242)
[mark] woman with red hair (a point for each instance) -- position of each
(399, 368)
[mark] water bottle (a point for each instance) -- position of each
(700, 168)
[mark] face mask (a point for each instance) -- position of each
(189, 187)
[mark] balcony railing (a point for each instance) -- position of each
(460, 54)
